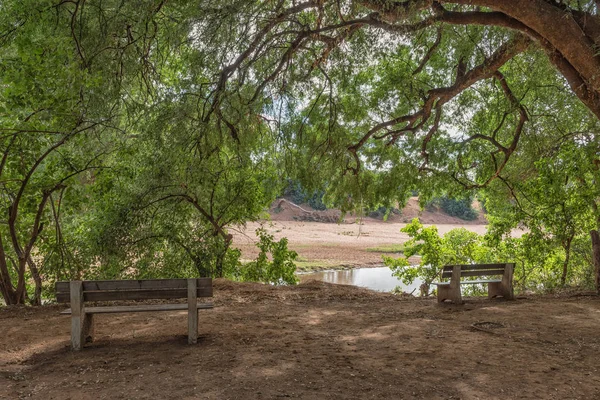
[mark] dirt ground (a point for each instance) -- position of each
(330, 244)
(313, 341)
(325, 241)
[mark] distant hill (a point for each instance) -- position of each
(284, 209)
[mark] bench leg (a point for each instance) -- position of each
(192, 311)
(442, 293)
(502, 289)
(77, 315)
(507, 282)
(495, 289)
(77, 338)
(449, 292)
(88, 328)
(452, 291)
(505, 287)
(453, 294)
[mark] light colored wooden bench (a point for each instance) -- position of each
(82, 318)
(496, 287)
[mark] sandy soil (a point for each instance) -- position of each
(332, 244)
(324, 241)
(313, 341)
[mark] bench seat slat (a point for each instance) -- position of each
(134, 284)
(487, 272)
(144, 294)
(473, 267)
(140, 308)
(469, 282)
(480, 281)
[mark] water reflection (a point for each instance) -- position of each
(380, 279)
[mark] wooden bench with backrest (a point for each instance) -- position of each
(496, 287)
(82, 318)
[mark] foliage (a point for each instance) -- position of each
(277, 270)
(459, 246)
(551, 190)
(56, 120)
(135, 134)
(301, 195)
(461, 208)
(539, 263)
(383, 212)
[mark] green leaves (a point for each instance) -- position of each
(280, 268)
(168, 123)
(540, 261)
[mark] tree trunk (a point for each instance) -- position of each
(21, 284)
(11, 297)
(9, 294)
(568, 35)
(6, 287)
(37, 279)
(227, 238)
(595, 235)
(567, 247)
(202, 267)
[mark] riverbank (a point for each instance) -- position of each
(329, 246)
(379, 278)
(313, 341)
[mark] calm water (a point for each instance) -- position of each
(380, 279)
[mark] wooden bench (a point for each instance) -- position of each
(496, 287)
(82, 318)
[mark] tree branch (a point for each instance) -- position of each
(439, 96)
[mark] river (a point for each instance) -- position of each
(378, 278)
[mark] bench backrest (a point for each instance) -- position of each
(135, 289)
(476, 269)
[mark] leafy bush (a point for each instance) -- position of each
(277, 270)
(539, 260)
(456, 208)
(300, 195)
(457, 246)
(316, 201)
(383, 212)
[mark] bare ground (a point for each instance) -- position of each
(330, 244)
(324, 241)
(313, 341)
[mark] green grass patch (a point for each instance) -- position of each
(304, 265)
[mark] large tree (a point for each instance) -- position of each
(406, 90)
(375, 97)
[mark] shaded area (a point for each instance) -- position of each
(313, 341)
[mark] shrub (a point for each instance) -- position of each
(458, 246)
(300, 195)
(539, 259)
(458, 208)
(279, 269)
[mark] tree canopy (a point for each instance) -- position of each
(131, 129)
